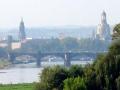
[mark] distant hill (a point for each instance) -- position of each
(52, 32)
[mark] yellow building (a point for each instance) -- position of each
(15, 45)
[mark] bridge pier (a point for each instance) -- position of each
(67, 56)
(11, 58)
(38, 62)
(67, 61)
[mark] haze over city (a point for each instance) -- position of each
(43, 13)
(59, 45)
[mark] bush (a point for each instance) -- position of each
(76, 71)
(74, 84)
(52, 78)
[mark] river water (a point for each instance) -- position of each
(28, 73)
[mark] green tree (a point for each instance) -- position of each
(77, 83)
(76, 71)
(70, 44)
(116, 32)
(53, 77)
(118, 83)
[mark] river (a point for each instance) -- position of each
(28, 73)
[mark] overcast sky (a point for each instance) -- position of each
(39, 13)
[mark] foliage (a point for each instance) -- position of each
(116, 32)
(52, 78)
(118, 83)
(76, 71)
(66, 44)
(70, 44)
(77, 83)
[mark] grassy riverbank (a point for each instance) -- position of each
(4, 64)
(18, 87)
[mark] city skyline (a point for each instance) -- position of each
(39, 13)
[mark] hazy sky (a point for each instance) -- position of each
(38, 13)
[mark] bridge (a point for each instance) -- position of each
(67, 56)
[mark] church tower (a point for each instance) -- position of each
(103, 29)
(22, 34)
(103, 17)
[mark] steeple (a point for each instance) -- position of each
(103, 17)
(22, 35)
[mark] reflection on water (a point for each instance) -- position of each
(27, 73)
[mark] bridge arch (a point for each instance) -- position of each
(13, 55)
(67, 56)
(62, 55)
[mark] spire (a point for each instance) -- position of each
(22, 34)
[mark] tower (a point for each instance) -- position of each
(103, 29)
(22, 34)
(9, 43)
(103, 17)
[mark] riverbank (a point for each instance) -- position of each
(25, 86)
(4, 64)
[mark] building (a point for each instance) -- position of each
(9, 42)
(22, 34)
(15, 45)
(103, 29)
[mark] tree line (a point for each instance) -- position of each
(66, 44)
